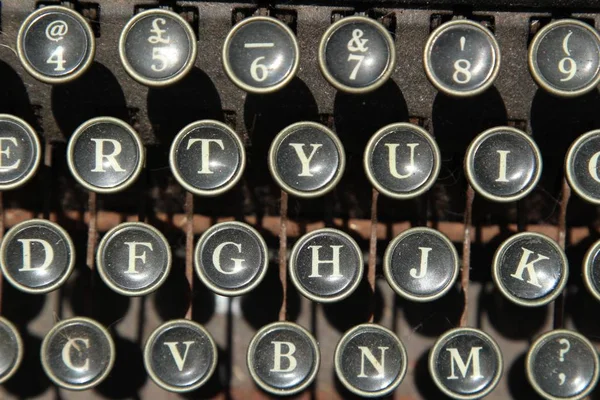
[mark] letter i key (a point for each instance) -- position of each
(503, 164)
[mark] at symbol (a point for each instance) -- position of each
(57, 30)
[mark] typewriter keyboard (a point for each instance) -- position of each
(326, 200)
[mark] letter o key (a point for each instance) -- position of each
(582, 166)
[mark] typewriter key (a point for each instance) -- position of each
(134, 259)
(105, 155)
(563, 365)
(231, 258)
(157, 47)
(11, 350)
(37, 256)
(326, 265)
(581, 166)
(462, 58)
(20, 152)
(591, 270)
(503, 164)
(530, 269)
(564, 58)
(421, 264)
(357, 54)
(260, 54)
(78, 353)
(370, 360)
(180, 356)
(283, 358)
(465, 363)
(402, 161)
(307, 159)
(55, 44)
(207, 158)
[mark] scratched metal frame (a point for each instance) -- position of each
(475, 225)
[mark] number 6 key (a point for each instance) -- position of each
(564, 58)
(260, 55)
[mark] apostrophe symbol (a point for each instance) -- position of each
(462, 43)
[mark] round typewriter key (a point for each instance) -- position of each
(20, 152)
(105, 155)
(462, 58)
(370, 360)
(55, 44)
(503, 164)
(591, 270)
(562, 364)
(11, 350)
(133, 259)
(207, 158)
(326, 265)
(582, 166)
(37, 256)
(402, 161)
(564, 58)
(260, 54)
(157, 47)
(307, 159)
(357, 54)
(180, 356)
(530, 269)
(231, 258)
(421, 264)
(78, 353)
(283, 358)
(465, 363)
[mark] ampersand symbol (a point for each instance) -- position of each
(356, 43)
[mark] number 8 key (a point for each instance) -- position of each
(462, 58)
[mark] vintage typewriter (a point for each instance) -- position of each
(316, 199)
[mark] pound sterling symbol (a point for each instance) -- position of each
(158, 38)
(356, 43)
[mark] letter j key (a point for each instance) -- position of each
(503, 164)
